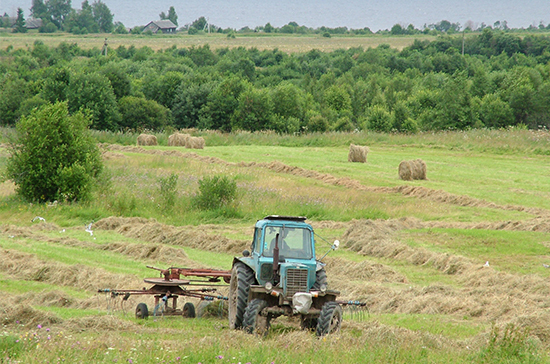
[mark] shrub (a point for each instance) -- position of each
(54, 156)
(379, 119)
(216, 192)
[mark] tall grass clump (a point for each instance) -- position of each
(510, 344)
(168, 189)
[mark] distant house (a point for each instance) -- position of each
(32, 23)
(163, 26)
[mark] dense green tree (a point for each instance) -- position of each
(172, 16)
(119, 79)
(222, 103)
(102, 16)
(379, 119)
(495, 113)
(19, 26)
(139, 113)
(54, 156)
(92, 93)
(13, 92)
(58, 10)
(39, 10)
(188, 104)
(254, 111)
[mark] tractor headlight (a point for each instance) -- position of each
(269, 286)
(323, 288)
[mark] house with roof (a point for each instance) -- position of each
(163, 26)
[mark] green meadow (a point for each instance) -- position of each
(453, 268)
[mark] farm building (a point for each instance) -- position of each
(163, 26)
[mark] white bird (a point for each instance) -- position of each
(546, 266)
(89, 229)
(39, 218)
(486, 264)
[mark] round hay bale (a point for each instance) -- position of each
(147, 139)
(357, 153)
(195, 143)
(178, 139)
(412, 170)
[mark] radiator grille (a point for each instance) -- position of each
(296, 281)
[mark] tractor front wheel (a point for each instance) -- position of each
(330, 319)
(242, 277)
(254, 321)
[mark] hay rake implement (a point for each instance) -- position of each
(171, 286)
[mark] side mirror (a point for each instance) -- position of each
(246, 253)
(336, 244)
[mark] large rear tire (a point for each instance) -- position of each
(330, 319)
(242, 277)
(142, 312)
(254, 322)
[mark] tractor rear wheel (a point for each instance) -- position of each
(242, 277)
(189, 310)
(308, 322)
(330, 319)
(254, 322)
(141, 311)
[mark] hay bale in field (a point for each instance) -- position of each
(357, 153)
(195, 143)
(147, 139)
(178, 139)
(412, 170)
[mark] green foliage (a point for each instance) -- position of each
(54, 156)
(13, 92)
(379, 119)
(93, 93)
(168, 189)
(215, 193)
(139, 113)
(19, 26)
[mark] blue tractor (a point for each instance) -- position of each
(281, 276)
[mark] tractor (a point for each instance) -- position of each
(280, 276)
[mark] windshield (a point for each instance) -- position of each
(293, 242)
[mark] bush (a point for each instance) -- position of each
(216, 192)
(54, 156)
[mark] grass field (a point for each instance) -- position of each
(285, 43)
(453, 268)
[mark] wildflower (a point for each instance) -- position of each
(219, 357)
(48, 329)
(49, 337)
(39, 326)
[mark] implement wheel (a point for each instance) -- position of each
(242, 277)
(189, 310)
(141, 311)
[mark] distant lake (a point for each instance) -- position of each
(380, 14)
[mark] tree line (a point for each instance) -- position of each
(501, 80)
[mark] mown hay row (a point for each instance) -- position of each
(357, 153)
(152, 231)
(412, 170)
(147, 139)
(27, 267)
